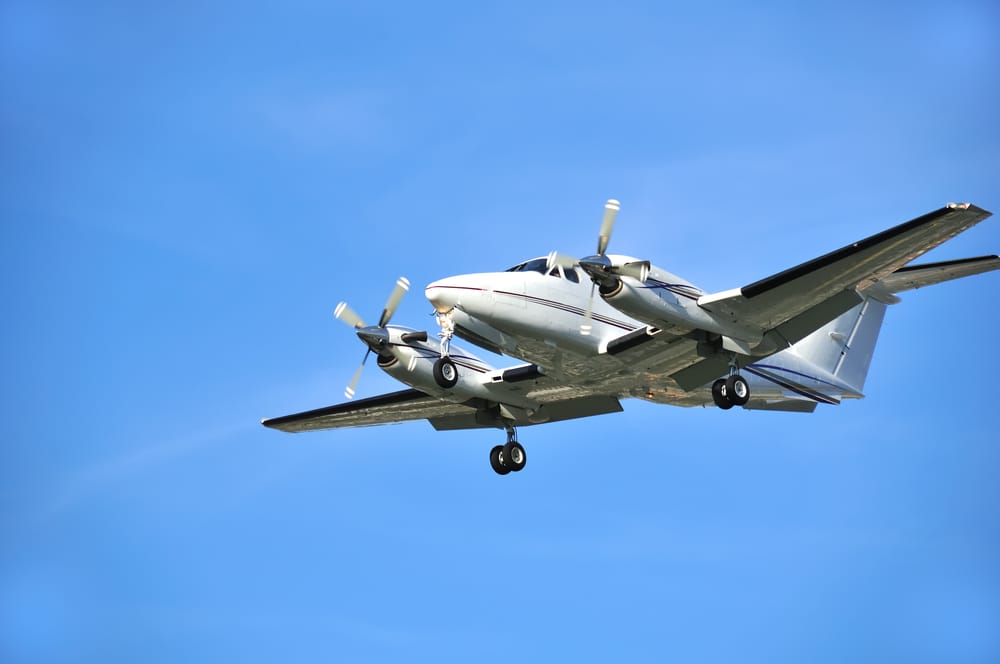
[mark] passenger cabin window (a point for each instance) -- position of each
(564, 273)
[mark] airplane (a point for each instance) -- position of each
(593, 331)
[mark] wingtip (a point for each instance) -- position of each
(970, 207)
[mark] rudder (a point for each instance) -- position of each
(845, 346)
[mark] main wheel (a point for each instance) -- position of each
(720, 396)
(737, 390)
(496, 461)
(445, 373)
(514, 456)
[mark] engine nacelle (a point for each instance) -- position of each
(409, 357)
(669, 303)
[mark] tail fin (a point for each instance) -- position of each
(844, 346)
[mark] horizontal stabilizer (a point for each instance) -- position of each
(782, 405)
(918, 276)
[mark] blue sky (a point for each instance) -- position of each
(188, 191)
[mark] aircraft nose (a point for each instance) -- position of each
(443, 294)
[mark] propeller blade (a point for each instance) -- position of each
(562, 260)
(402, 285)
(346, 314)
(637, 270)
(585, 326)
(607, 225)
(349, 392)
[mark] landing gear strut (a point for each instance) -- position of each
(510, 457)
(447, 324)
(731, 391)
(445, 371)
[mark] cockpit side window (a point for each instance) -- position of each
(572, 275)
(537, 265)
(554, 272)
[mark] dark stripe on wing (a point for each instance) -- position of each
(791, 274)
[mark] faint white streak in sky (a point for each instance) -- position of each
(156, 622)
(104, 473)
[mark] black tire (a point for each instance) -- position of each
(445, 373)
(737, 390)
(514, 456)
(720, 396)
(495, 461)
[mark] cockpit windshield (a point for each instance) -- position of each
(536, 265)
(540, 265)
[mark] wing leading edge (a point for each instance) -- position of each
(767, 303)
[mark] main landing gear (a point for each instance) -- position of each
(445, 371)
(510, 457)
(732, 391)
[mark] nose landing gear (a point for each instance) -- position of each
(445, 371)
(510, 457)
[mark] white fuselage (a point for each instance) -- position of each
(535, 315)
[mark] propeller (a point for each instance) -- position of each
(349, 390)
(599, 267)
(375, 337)
(611, 209)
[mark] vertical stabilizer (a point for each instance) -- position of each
(845, 345)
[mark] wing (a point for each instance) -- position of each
(554, 402)
(767, 304)
(786, 307)
(384, 409)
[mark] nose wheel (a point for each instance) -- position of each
(445, 372)
(508, 458)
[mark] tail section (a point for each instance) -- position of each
(844, 346)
